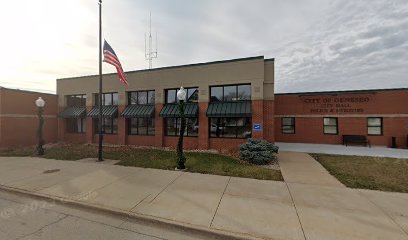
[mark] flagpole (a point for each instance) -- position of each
(100, 84)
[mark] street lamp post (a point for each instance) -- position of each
(40, 103)
(181, 159)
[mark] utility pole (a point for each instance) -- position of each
(100, 158)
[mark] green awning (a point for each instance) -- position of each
(107, 112)
(133, 111)
(73, 112)
(229, 109)
(172, 110)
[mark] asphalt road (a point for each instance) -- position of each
(26, 218)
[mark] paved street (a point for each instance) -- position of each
(26, 218)
(300, 208)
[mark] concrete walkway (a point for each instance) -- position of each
(302, 168)
(343, 150)
(240, 207)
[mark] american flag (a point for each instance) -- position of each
(109, 56)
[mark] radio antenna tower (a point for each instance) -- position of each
(149, 52)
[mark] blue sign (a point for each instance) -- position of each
(257, 127)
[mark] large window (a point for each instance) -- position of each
(76, 100)
(173, 126)
(374, 126)
(141, 126)
(109, 125)
(137, 125)
(230, 127)
(288, 125)
(230, 93)
(141, 97)
(108, 99)
(75, 125)
(330, 125)
(192, 95)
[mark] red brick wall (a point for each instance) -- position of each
(257, 117)
(203, 126)
(225, 145)
(188, 143)
(75, 137)
(141, 140)
(61, 127)
(19, 131)
(159, 127)
(19, 121)
(262, 113)
(269, 120)
(23, 102)
(122, 127)
(90, 128)
(309, 111)
(373, 102)
(108, 139)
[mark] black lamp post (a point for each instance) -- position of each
(40, 103)
(181, 159)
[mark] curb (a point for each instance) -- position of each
(146, 219)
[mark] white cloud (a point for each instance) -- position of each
(317, 44)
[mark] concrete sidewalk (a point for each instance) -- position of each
(343, 150)
(302, 168)
(233, 206)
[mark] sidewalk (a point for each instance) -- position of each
(302, 168)
(233, 206)
(374, 151)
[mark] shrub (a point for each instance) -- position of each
(258, 151)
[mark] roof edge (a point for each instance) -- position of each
(180, 66)
(27, 91)
(344, 91)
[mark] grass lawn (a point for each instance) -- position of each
(377, 173)
(199, 162)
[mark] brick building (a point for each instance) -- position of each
(324, 117)
(225, 100)
(228, 101)
(18, 117)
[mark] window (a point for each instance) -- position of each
(109, 125)
(230, 127)
(288, 125)
(141, 126)
(76, 100)
(141, 97)
(330, 126)
(192, 95)
(108, 99)
(374, 126)
(173, 127)
(75, 125)
(230, 93)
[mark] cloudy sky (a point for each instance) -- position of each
(317, 44)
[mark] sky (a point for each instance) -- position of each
(318, 45)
